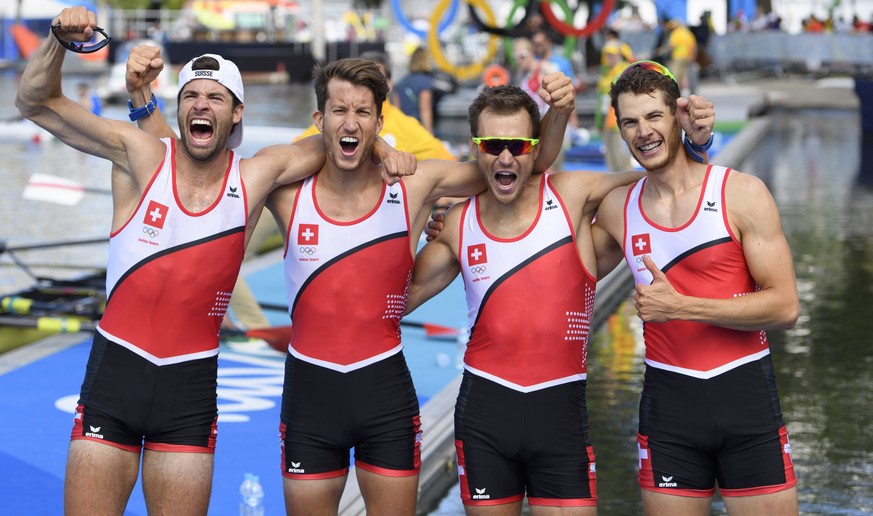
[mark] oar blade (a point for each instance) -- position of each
(276, 336)
(439, 331)
(58, 190)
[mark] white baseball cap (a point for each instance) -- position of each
(228, 76)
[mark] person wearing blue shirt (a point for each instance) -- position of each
(414, 93)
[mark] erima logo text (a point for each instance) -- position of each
(550, 205)
(231, 192)
(295, 468)
(668, 482)
(480, 494)
(392, 198)
(95, 432)
(710, 206)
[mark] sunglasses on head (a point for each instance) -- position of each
(647, 65)
(495, 144)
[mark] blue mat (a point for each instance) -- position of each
(39, 398)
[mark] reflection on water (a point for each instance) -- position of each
(821, 178)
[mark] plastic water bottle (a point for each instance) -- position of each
(251, 493)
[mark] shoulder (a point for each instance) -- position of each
(745, 187)
(573, 182)
(614, 201)
(748, 201)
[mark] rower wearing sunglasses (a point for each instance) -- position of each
(524, 249)
(713, 271)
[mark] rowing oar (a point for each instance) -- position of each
(17, 305)
(59, 190)
(276, 336)
(430, 330)
(49, 245)
(10, 250)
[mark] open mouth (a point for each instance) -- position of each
(505, 179)
(201, 129)
(348, 144)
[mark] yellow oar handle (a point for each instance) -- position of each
(48, 324)
(58, 325)
(16, 305)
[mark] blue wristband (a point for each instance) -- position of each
(142, 112)
(692, 148)
(699, 148)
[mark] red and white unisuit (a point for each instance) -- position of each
(521, 337)
(171, 271)
(700, 258)
(347, 281)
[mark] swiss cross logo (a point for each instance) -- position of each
(307, 234)
(641, 244)
(156, 215)
(476, 254)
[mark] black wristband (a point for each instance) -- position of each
(142, 112)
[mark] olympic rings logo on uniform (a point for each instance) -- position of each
(308, 250)
(151, 232)
(479, 269)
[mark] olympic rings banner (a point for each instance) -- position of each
(439, 23)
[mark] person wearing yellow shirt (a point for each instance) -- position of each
(613, 42)
(617, 154)
(682, 47)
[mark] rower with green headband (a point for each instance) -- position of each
(713, 271)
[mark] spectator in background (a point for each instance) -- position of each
(612, 45)
(682, 49)
(88, 99)
(702, 32)
(617, 154)
(760, 22)
(659, 51)
(544, 49)
(813, 24)
(529, 70)
(613, 40)
(414, 93)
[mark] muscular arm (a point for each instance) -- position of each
(753, 214)
(143, 66)
(436, 265)
(608, 230)
(41, 99)
(558, 92)
(606, 249)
